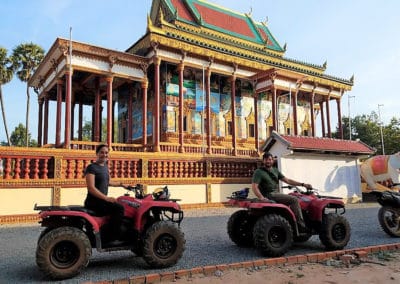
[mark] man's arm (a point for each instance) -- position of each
(256, 191)
(295, 183)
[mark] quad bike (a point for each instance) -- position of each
(389, 213)
(151, 229)
(272, 227)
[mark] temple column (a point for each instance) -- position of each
(40, 122)
(208, 110)
(312, 113)
(339, 113)
(180, 68)
(46, 121)
(109, 81)
(145, 86)
(274, 113)
(67, 138)
(328, 117)
(72, 120)
(156, 114)
(233, 112)
(58, 113)
(256, 133)
(321, 106)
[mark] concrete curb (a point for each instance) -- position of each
(212, 269)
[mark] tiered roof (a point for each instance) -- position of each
(219, 29)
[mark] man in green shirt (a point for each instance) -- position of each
(265, 185)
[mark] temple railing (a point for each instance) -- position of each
(24, 167)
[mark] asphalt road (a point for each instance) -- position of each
(207, 243)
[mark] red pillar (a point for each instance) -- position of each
(294, 104)
(156, 114)
(145, 86)
(181, 67)
(40, 122)
(274, 113)
(233, 112)
(321, 106)
(256, 134)
(208, 110)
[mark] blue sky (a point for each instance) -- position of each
(355, 37)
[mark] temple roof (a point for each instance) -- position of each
(320, 145)
(223, 31)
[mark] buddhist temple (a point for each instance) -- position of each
(189, 104)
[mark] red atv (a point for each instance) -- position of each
(151, 229)
(272, 228)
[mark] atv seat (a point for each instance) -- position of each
(84, 209)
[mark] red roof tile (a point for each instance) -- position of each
(326, 144)
(224, 20)
(182, 11)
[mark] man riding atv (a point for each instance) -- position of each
(265, 184)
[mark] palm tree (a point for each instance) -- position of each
(6, 74)
(26, 57)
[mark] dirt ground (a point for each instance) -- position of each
(382, 267)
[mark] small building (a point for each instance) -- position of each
(330, 165)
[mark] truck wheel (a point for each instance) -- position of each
(273, 235)
(163, 244)
(240, 228)
(389, 219)
(335, 232)
(63, 252)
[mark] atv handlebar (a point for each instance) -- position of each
(137, 189)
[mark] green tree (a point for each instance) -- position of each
(366, 128)
(18, 137)
(87, 130)
(26, 58)
(6, 74)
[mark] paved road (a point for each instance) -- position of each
(207, 244)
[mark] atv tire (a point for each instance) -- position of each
(63, 252)
(389, 219)
(335, 232)
(163, 245)
(273, 235)
(240, 228)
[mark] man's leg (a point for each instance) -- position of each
(290, 201)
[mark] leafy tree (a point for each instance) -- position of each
(367, 128)
(6, 74)
(25, 59)
(18, 137)
(87, 130)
